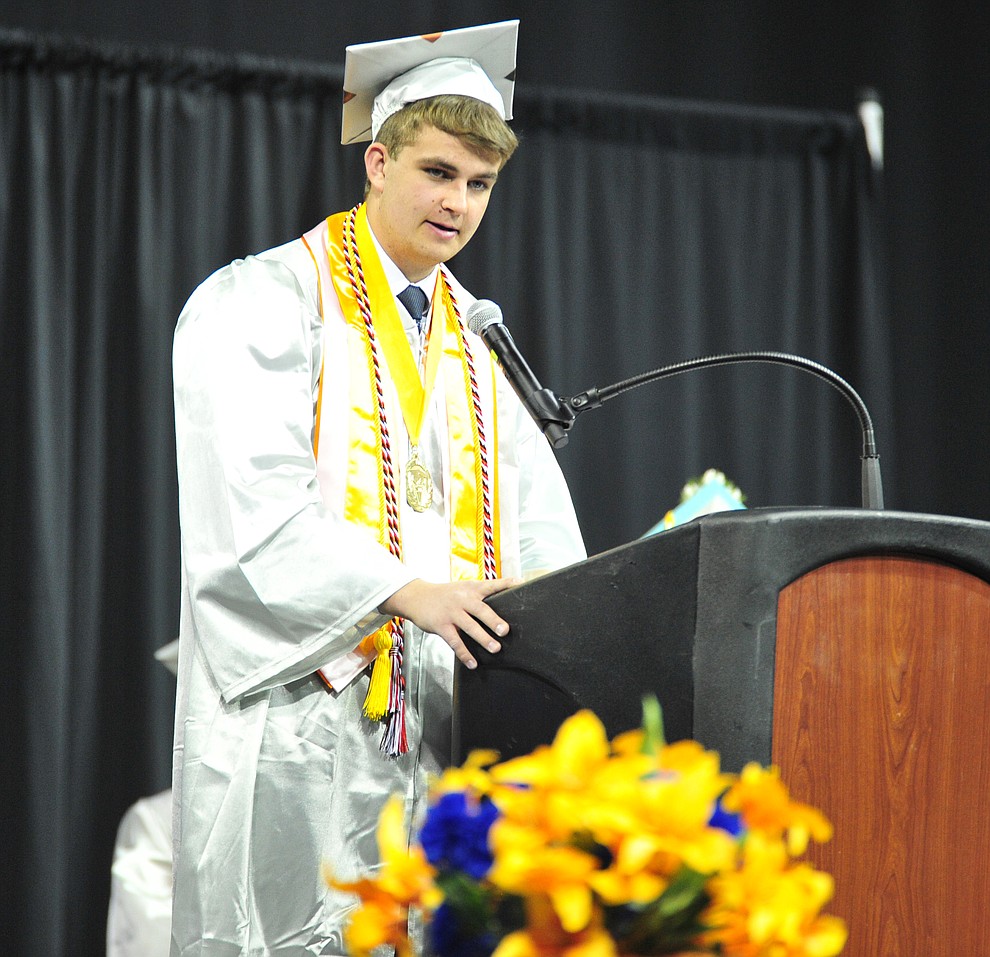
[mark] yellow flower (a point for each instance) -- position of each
(405, 873)
(629, 742)
(772, 906)
(551, 788)
(529, 869)
(615, 887)
(406, 879)
(655, 821)
(472, 777)
(544, 936)
(579, 748)
(662, 855)
(765, 804)
(378, 921)
(522, 944)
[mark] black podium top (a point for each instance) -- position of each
(688, 614)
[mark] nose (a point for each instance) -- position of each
(455, 197)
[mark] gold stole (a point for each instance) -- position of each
(372, 491)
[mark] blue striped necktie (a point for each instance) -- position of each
(416, 302)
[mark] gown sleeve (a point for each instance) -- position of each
(276, 585)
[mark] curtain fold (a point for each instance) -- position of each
(627, 233)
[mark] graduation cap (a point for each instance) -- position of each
(711, 493)
(382, 77)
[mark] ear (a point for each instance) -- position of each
(375, 159)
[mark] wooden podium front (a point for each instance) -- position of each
(882, 720)
(850, 648)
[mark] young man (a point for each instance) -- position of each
(355, 478)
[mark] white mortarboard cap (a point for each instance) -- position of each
(168, 655)
(380, 78)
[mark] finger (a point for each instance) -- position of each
(453, 638)
(485, 617)
(494, 585)
(478, 622)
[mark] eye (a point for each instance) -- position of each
(480, 185)
(436, 172)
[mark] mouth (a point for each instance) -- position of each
(443, 230)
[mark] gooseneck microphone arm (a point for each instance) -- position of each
(555, 414)
(872, 485)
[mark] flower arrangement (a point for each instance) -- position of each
(586, 848)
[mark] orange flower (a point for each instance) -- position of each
(405, 880)
(551, 788)
(471, 777)
(765, 804)
(771, 906)
(655, 820)
(560, 874)
(579, 748)
(523, 944)
(544, 936)
(379, 921)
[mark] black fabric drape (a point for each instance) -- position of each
(632, 233)
(627, 233)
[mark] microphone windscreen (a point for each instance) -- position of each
(481, 314)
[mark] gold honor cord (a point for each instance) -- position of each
(363, 291)
(413, 392)
(419, 482)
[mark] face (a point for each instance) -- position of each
(426, 203)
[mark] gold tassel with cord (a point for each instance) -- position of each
(376, 700)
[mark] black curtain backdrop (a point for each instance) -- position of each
(627, 233)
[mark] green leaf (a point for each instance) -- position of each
(653, 737)
(666, 925)
(470, 900)
(682, 893)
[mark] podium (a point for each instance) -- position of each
(850, 648)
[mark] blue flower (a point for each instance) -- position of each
(725, 820)
(455, 835)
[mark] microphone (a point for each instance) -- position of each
(484, 318)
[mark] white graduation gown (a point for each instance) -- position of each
(274, 776)
(140, 911)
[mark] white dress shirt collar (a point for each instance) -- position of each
(397, 282)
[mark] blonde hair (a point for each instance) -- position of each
(475, 123)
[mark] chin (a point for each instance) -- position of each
(440, 254)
